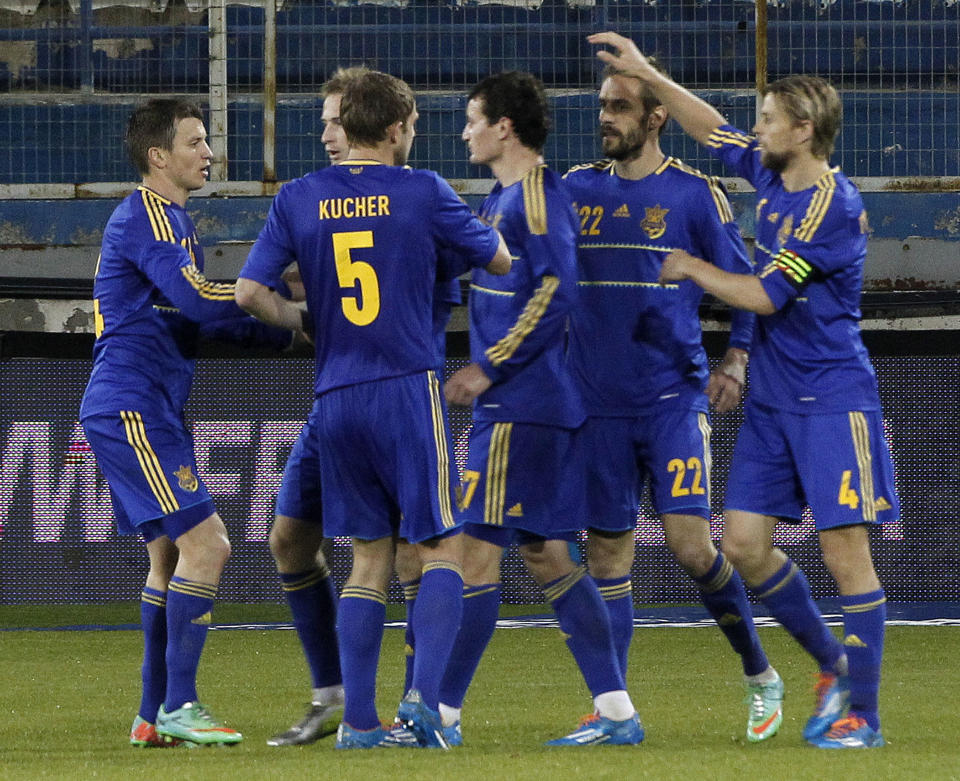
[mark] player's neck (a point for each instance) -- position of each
(648, 161)
(515, 163)
(166, 189)
(383, 153)
(803, 172)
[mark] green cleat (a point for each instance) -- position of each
(193, 723)
(766, 709)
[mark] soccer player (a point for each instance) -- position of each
(150, 297)
(523, 480)
(365, 233)
(636, 352)
(296, 537)
(812, 432)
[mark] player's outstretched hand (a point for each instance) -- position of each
(626, 56)
(466, 384)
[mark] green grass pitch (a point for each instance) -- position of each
(67, 699)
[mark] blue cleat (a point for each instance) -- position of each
(595, 730)
(833, 694)
(453, 734)
(378, 737)
(850, 732)
(415, 716)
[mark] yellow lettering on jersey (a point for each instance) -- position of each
(348, 208)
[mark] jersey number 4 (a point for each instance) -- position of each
(363, 305)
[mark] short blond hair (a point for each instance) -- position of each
(810, 98)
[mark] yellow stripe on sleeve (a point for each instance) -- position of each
(535, 201)
(214, 291)
(532, 312)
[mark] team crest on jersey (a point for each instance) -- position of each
(654, 224)
(783, 232)
(186, 479)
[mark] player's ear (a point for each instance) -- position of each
(657, 118)
(395, 131)
(157, 156)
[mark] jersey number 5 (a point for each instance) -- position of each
(363, 306)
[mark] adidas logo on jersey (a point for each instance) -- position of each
(853, 640)
(516, 511)
(622, 211)
(882, 504)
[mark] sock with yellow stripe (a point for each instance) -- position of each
(189, 603)
(617, 595)
(153, 619)
(585, 625)
(864, 617)
(312, 598)
(410, 588)
(360, 618)
(481, 607)
(725, 597)
(436, 617)
(787, 596)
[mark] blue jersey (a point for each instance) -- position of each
(808, 356)
(518, 321)
(150, 297)
(366, 237)
(634, 343)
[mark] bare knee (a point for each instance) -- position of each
(610, 555)
(547, 560)
(688, 537)
(295, 544)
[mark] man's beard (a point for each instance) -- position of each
(776, 162)
(624, 147)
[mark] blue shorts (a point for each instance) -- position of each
(149, 465)
(671, 448)
(523, 476)
(838, 463)
(385, 456)
(299, 496)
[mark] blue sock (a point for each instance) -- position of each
(586, 626)
(863, 629)
(360, 632)
(787, 595)
(723, 594)
(410, 588)
(617, 595)
(481, 607)
(437, 619)
(189, 603)
(153, 619)
(313, 602)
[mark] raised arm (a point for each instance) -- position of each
(697, 117)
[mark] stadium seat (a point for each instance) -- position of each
(155, 6)
(25, 7)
